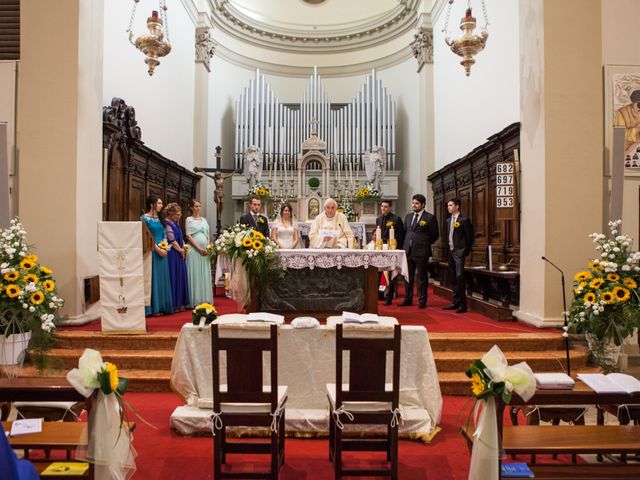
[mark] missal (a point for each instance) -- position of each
(554, 381)
(350, 317)
(611, 383)
(26, 426)
(265, 317)
(65, 468)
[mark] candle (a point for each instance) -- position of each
(392, 233)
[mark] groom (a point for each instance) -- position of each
(254, 219)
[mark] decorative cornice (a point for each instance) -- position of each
(123, 117)
(205, 46)
(422, 46)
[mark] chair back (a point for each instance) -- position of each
(244, 368)
(367, 368)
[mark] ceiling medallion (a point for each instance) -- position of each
(468, 44)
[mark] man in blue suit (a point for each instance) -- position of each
(254, 218)
(421, 231)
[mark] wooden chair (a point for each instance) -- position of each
(625, 414)
(365, 400)
(244, 401)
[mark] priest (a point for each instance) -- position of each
(330, 229)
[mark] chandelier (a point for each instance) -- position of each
(155, 44)
(469, 44)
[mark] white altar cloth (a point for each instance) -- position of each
(306, 363)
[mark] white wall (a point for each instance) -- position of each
(8, 114)
(622, 49)
(163, 102)
(470, 109)
(227, 82)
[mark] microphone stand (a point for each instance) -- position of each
(564, 313)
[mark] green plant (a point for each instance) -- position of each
(314, 182)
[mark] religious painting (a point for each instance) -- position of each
(622, 100)
(313, 208)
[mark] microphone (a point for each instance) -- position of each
(344, 234)
(564, 313)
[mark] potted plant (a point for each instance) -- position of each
(606, 305)
(314, 183)
(29, 301)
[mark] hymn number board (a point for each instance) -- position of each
(506, 198)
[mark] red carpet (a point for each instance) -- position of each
(433, 318)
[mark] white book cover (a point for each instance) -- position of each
(611, 383)
(554, 380)
(351, 317)
(328, 233)
(26, 426)
(265, 317)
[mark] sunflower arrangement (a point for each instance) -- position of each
(259, 190)
(203, 314)
(606, 301)
(258, 254)
(29, 300)
(367, 192)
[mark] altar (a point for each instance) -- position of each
(324, 282)
(306, 363)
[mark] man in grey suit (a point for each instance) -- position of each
(460, 240)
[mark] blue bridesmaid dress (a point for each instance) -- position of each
(161, 301)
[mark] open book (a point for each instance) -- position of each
(265, 317)
(611, 383)
(350, 317)
(26, 426)
(554, 381)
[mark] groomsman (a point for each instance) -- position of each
(421, 231)
(385, 222)
(254, 219)
(460, 240)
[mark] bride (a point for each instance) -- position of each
(284, 232)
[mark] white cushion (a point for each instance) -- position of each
(245, 407)
(359, 406)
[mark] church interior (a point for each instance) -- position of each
(319, 239)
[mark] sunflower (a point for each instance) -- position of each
(12, 291)
(583, 284)
(27, 264)
(46, 270)
(613, 277)
(257, 234)
(246, 242)
(11, 276)
(582, 276)
(621, 294)
(596, 283)
(112, 370)
(32, 258)
(590, 297)
(630, 282)
(30, 278)
(477, 385)
(37, 298)
(48, 285)
(257, 244)
(607, 297)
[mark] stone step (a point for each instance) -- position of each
(110, 341)
(123, 359)
(139, 380)
(539, 361)
(482, 342)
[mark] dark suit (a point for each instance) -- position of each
(261, 224)
(398, 228)
(417, 243)
(462, 242)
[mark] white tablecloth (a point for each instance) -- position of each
(306, 363)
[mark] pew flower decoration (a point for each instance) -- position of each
(110, 441)
(367, 192)
(492, 377)
(259, 190)
(203, 315)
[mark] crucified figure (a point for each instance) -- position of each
(218, 194)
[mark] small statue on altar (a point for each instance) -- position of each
(375, 161)
(253, 165)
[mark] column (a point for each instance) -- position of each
(60, 139)
(561, 149)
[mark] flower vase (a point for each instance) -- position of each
(605, 352)
(13, 348)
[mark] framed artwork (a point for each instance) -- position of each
(622, 108)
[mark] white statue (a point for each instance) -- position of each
(375, 164)
(253, 165)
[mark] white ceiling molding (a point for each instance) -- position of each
(191, 9)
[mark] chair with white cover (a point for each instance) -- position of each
(365, 399)
(244, 402)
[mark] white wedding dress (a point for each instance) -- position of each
(285, 235)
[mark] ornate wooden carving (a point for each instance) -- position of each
(135, 171)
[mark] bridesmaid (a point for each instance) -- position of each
(198, 262)
(177, 256)
(161, 301)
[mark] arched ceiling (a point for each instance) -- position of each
(302, 33)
